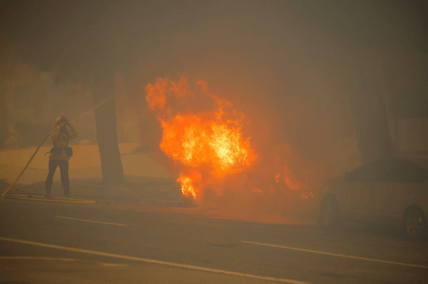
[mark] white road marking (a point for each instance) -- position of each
(173, 264)
(113, 264)
(54, 259)
(336, 254)
(116, 224)
(35, 258)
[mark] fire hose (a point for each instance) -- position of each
(43, 141)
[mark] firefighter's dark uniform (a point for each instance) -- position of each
(60, 154)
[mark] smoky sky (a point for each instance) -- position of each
(265, 56)
(121, 34)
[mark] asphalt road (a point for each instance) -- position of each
(44, 242)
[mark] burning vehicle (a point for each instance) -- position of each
(214, 158)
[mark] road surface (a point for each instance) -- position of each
(44, 242)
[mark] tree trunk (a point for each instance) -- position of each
(38, 100)
(370, 117)
(3, 114)
(105, 118)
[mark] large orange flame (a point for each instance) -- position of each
(208, 141)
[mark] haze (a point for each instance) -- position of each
(317, 88)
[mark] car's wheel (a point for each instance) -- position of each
(414, 223)
(329, 215)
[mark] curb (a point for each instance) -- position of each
(44, 199)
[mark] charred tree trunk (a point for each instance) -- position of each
(370, 117)
(105, 118)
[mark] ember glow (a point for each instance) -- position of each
(290, 181)
(208, 143)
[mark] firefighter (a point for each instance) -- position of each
(60, 154)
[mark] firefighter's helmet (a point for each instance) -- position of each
(61, 119)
